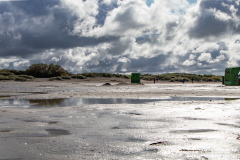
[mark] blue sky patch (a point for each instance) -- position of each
(149, 2)
(192, 1)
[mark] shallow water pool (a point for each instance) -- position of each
(66, 102)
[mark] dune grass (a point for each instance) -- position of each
(56, 72)
(178, 77)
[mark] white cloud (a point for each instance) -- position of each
(222, 16)
(122, 35)
(123, 60)
(192, 56)
(188, 62)
(205, 57)
(86, 13)
(208, 58)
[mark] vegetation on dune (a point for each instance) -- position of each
(56, 72)
(7, 74)
(94, 75)
(78, 76)
(55, 78)
(178, 77)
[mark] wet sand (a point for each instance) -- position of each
(154, 130)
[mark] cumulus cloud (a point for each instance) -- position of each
(205, 57)
(121, 36)
(189, 62)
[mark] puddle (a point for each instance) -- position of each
(151, 150)
(190, 118)
(25, 103)
(135, 140)
(10, 94)
(160, 143)
(57, 132)
(231, 99)
(13, 159)
(229, 125)
(30, 120)
(5, 130)
(50, 102)
(34, 120)
(23, 92)
(193, 131)
(195, 139)
(4, 97)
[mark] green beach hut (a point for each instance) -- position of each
(135, 78)
(231, 76)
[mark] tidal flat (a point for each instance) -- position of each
(51, 120)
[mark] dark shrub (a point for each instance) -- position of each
(78, 76)
(5, 73)
(26, 76)
(127, 77)
(44, 70)
(106, 75)
(55, 78)
(20, 79)
(66, 77)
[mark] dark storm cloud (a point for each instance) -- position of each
(35, 7)
(220, 5)
(118, 47)
(46, 27)
(127, 21)
(147, 64)
(170, 30)
(208, 24)
(30, 45)
(103, 11)
(103, 66)
(5, 7)
(151, 39)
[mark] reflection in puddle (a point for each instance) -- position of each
(190, 118)
(14, 159)
(193, 131)
(5, 96)
(151, 150)
(230, 125)
(34, 120)
(5, 130)
(135, 140)
(24, 103)
(57, 132)
(47, 102)
(231, 99)
(9, 94)
(195, 139)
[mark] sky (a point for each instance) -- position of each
(121, 36)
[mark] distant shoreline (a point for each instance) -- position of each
(112, 80)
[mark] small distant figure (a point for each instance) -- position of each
(157, 79)
(154, 80)
(192, 80)
(183, 81)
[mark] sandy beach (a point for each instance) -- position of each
(165, 123)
